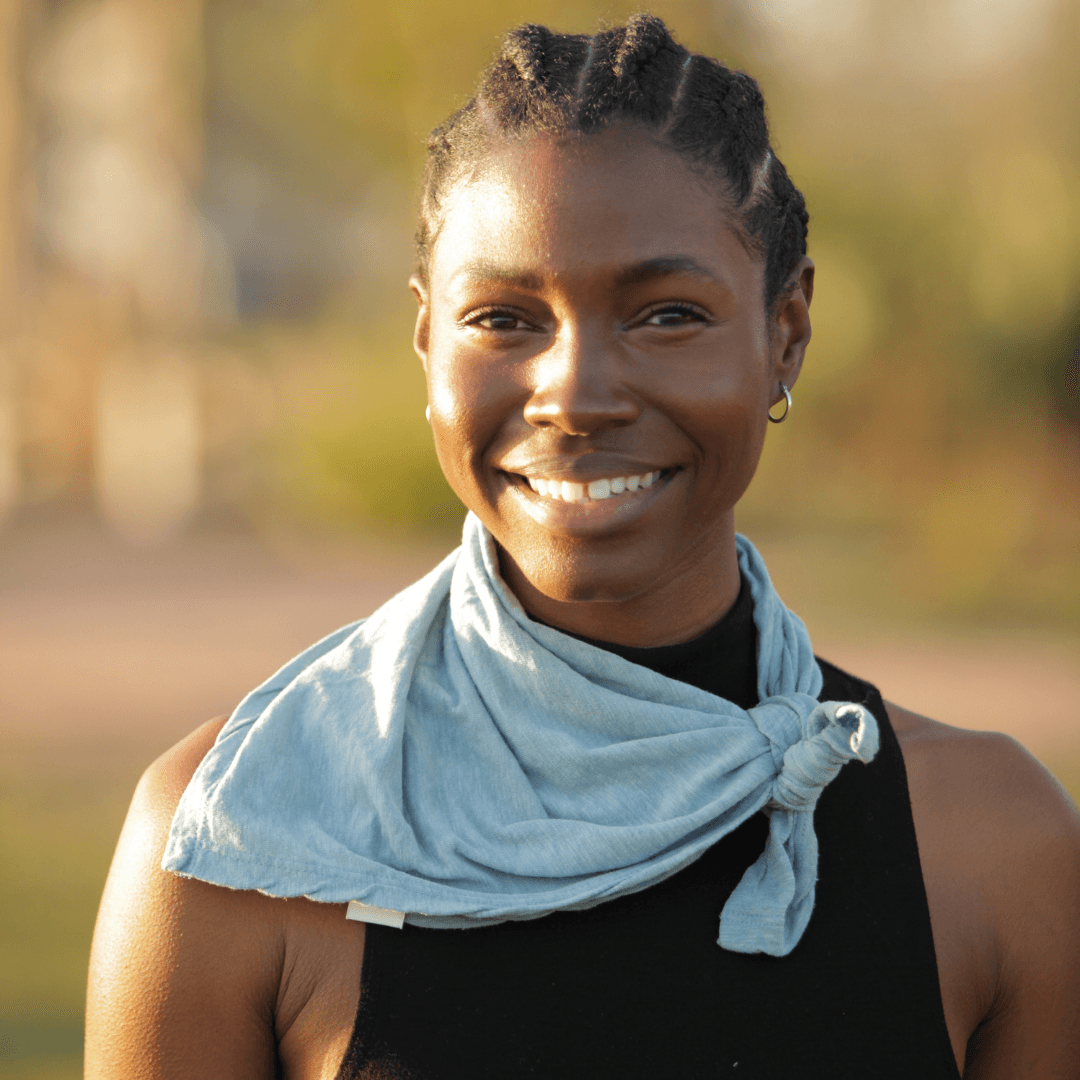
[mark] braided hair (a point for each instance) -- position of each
(564, 84)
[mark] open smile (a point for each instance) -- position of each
(588, 504)
(603, 488)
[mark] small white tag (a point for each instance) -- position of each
(383, 916)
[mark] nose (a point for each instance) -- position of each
(579, 386)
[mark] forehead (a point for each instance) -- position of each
(583, 205)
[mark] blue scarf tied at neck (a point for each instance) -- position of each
(451, 759)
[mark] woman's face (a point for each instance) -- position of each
(600, 365)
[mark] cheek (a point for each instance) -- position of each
(727, 420)
(469, 404)
(735, 451)
(753, 443)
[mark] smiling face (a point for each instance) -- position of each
(600, 364)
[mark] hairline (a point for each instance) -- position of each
(712, 178)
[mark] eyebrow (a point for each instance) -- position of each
(665, 266)
(647, 270)
(493, 273)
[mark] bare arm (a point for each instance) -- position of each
(184, 976)
(1000, 845)
(1033, 1026)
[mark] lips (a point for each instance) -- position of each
(585, 512)
(595, 490)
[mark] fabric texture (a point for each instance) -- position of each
(455, 760)
(635, 989)
(722, 660)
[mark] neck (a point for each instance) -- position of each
(677, 606)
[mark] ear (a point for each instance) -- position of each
(790, 325)
(421, 333)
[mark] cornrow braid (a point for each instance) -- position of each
(542, 82)
(634, 75)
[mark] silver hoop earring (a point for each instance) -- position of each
(787, 406)
(427, 414)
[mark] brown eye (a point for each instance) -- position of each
(500, 322)
(674, 315)
(497, 320)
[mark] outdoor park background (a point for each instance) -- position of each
(212, 444)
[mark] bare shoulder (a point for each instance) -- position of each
(999, 842)
(192, 979)
(985, 803)
(164, 994)
(166, 779)
(986, 775)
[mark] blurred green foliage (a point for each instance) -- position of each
(58, 826)
(937, 424)
(929, 471)
(358, 86)
(352, 449)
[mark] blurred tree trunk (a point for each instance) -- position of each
(11, 161)
(12, 239)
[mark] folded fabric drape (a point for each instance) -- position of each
(454, 760)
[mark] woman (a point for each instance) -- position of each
(547, 759)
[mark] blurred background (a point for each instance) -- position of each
(212, 444)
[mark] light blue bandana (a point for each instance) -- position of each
(451, 759)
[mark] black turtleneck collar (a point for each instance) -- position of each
(721, 661)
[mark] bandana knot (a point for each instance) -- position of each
(449, 762)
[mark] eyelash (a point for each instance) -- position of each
(478, 317)
(677, 308)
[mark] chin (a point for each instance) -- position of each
(596, 579)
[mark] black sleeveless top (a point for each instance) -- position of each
(638, 987)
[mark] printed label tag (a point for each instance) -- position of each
(383, 916)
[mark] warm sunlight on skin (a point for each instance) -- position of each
(593, 318)
(600, 364)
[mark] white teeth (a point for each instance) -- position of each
(571, 492)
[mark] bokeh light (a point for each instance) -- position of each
(212, 441)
